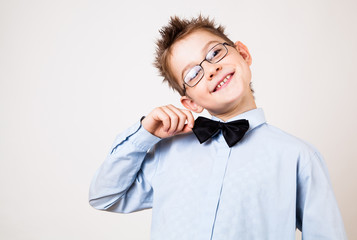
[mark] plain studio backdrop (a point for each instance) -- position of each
(74, 74)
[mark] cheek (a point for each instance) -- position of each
(244, 71)
(201, 94)
(247, 74)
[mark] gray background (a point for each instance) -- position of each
(74, 74)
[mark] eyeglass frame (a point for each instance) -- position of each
(200, 65)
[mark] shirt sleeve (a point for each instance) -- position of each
(122, 183)
(318, 215)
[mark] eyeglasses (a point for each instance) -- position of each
(214, 55)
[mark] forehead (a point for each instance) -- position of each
(191, 50)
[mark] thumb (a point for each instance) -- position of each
(186, 129)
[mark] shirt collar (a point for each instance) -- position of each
(255, 117)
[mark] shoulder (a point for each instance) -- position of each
(303, 151)
(274, 135)
(281, 142)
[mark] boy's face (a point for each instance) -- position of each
(209, 93)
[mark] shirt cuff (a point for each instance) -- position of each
(142, 138)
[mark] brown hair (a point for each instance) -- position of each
(175, 30)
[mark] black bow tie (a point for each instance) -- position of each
(233, 132)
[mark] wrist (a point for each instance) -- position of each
(144, 123)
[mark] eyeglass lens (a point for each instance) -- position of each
(213, 56)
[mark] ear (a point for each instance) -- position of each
(243, 51)
(191, 105)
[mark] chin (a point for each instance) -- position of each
(235, 96)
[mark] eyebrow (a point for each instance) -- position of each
(203, 51)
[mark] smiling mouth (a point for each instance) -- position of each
(224, 82)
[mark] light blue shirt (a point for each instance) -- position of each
(264, 187)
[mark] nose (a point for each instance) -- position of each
(212, 70)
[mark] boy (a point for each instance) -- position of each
(236, 177)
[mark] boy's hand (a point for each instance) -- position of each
(167, 121)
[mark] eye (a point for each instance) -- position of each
(214, 54)
(192, 74)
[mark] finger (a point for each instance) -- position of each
(190, 118)
(186, 129)
(181, 117)
(161, 116)
(174, 119)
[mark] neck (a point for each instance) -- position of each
(241, 107)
